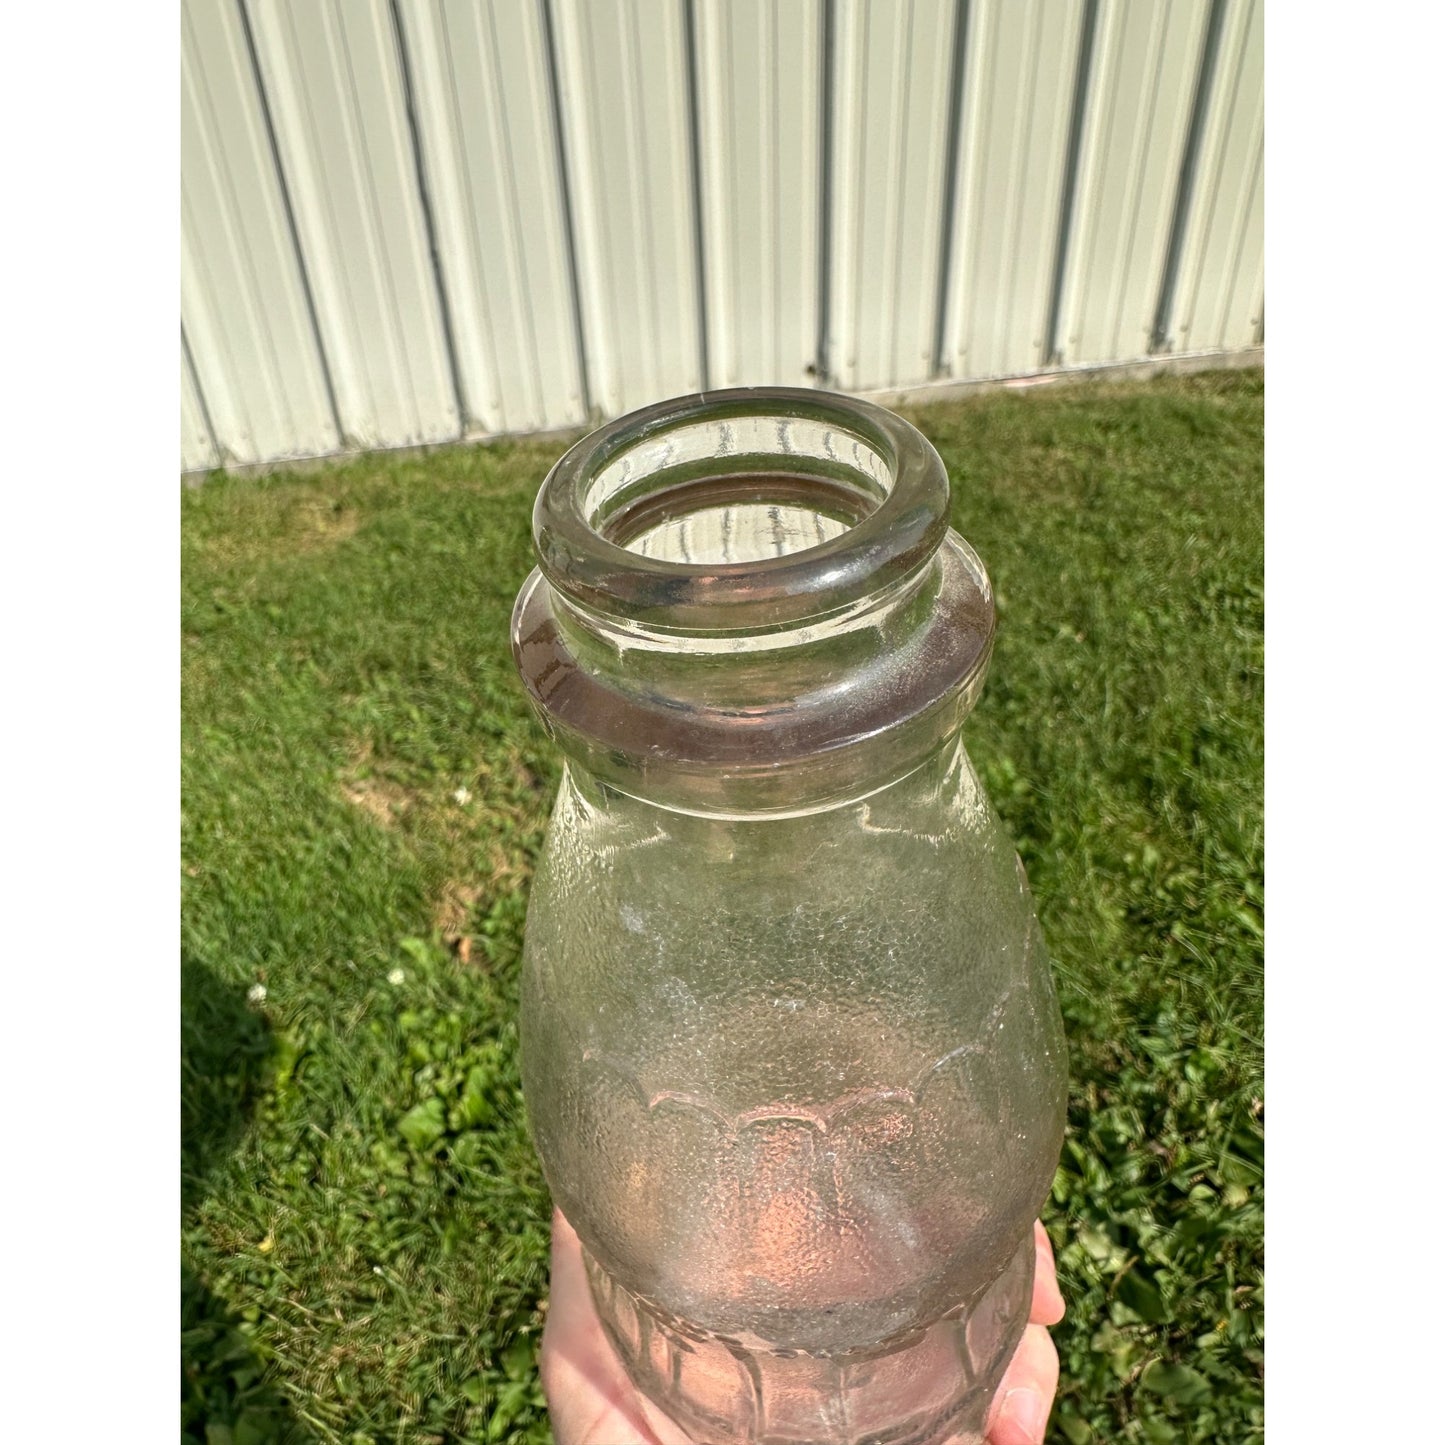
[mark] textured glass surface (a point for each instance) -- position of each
(791, 1049)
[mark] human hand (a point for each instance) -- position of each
(593, 1402)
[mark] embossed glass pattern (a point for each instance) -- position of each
(791, 1049)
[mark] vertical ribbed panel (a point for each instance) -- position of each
(1017, 95)
(198, 450)
(759, 72)
(891, 117)
(243, 303)
(1146, 56)
(491, 164)
(338, 99)
(406, 219)
(624, 91)
(1219, 301)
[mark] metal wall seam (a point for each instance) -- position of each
(622, 71)
(1136, 125)
(759, 71)
(569, 221)
(1069, 196)
(198, 440)
(1018, 93)
(891, 93)
(1220, 294)
(243, 301)
(404, 67)
(949, 204)
(337, 96)
(694, 190)
(827, 70)
(491, 173)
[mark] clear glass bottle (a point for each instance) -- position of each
(791, 1050)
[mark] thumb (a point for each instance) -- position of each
(1020, 1413)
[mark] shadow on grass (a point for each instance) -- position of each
(225, 1059)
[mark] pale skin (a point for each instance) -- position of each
(592, 1402)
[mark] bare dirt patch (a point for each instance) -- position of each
(277, 525)
(384, 798)
(318, 522)
(454, 912)
(456, 915)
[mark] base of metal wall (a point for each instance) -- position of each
(918, 395)
(1109, 371)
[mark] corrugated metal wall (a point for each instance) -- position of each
(409, 221)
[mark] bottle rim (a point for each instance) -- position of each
(896, 478)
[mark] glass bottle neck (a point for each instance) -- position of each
(725, 629)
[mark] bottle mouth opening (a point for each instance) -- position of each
(742, 509)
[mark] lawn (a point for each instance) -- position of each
(364, 1223)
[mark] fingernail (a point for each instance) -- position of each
(1027, 1412)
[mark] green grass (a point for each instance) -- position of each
(364, 1223)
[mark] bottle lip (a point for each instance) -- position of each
(892, 540)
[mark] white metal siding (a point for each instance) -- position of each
(406, 221)
(243, 305)
(1017, 93)
(624, 90)
(891, 118)
(1145, 61)
(491, 160)
(759, 73)
(198, 447)
(332, 73)
(1220, 297)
